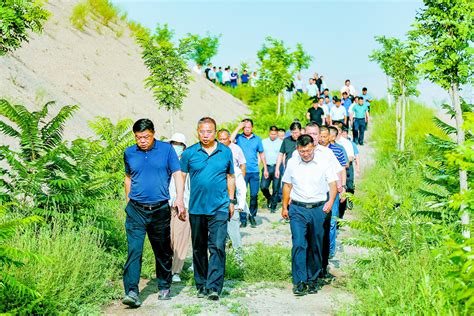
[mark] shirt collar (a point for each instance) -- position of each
(218, 148)
(251, 136)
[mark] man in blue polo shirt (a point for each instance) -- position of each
(210, 166)
(149, 166)
(252, 147)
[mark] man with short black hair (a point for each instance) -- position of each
(315, 113)
(281, 133)
(149, 166)
(367, 97)
(252, 147)
(361, 118)
(271, 148)
(288, 146)
(337, 113)
(211, 169)
(307, 181)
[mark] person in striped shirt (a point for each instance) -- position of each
(328, 140)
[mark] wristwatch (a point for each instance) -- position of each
(233, 201)
(344, 187)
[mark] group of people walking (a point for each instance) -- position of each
(177, 194)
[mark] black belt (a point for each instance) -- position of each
(308, 205)
(150, 207)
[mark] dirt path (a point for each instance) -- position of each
(260, 298)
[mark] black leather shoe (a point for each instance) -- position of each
(164, 295)
(243, 224)
(252, 221)
(300, 289)
(213, 296)
(313, 287)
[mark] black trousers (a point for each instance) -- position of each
(326, 241)
(350, 189)
(156, 224)
(208, 233)
(265, 186)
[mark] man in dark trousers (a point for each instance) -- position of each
(210, 166)
(149, 165)
(308, 178)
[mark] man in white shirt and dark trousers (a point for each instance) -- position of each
(308, 178)
(271, 148)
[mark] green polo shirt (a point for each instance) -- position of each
(360, 110)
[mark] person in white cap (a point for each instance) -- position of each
(180, 230)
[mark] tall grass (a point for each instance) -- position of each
(76, 276)
(102, 11)
(406, 270)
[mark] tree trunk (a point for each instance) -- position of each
(460, 138)
(279, 103)
(403, 112)
(389, 97)
(171, 121)
(397, 121)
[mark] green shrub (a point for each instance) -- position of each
(79, 15)
(76, 278)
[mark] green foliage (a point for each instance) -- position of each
(17, 18)
(260, 263)
(11, 256)
(163, 33)
(443, 34)
(202, 48)
(301, 58)
(276, 61)
(418, 261)
(169, 73)
(76, 278)
(397, 59)
(102, 11)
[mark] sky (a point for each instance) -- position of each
(338, 34)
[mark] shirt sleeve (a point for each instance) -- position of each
(230, 163)
(288, 172)
(344, 157)
(283, 147)
(335, 163)
(241, 157)
(260, 146)
(331, 175)
(127, 166)
(173, 161)
(184, 163)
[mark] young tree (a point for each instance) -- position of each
(276, 63)
(397, 60)
(16, 19)
(444, 34)
(169, 73)
(301, 58)
(202, 49)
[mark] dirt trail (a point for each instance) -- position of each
(260, 298)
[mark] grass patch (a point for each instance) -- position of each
(261, 263)
(76, 276)
(406, 270)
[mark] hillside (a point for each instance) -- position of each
(103, 73)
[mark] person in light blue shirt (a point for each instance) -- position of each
(367, 97)
(271, 148)
(361, 118)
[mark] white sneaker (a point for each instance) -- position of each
(176, 278)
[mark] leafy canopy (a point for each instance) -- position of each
(202, 48)
(444, 34)
(17, 18)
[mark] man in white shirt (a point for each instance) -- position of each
(226, 77)
(271, 148)
(298, 84)
(312, 88)
(348, 88)
(337, 112)
(233, 227)
(308, 179)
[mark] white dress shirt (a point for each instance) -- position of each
(344, 142)
(310, 180)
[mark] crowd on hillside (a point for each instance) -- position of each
(183, 195)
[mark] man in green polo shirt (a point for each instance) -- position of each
(211, 204)
(361, 118)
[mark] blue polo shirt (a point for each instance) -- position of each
(251, 147)
(150, 171)
(208, 174)
(366, 97)
(346, 103)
